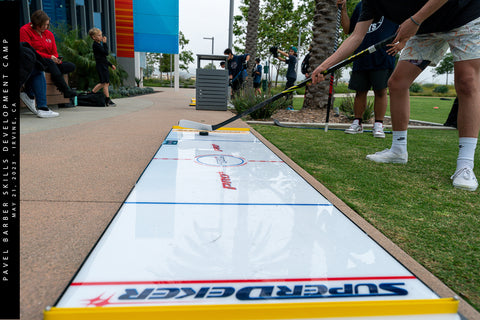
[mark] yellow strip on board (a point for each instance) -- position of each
(260, 311)
(219, 129)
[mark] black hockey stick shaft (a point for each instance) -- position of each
(332, 69)
(330, 90)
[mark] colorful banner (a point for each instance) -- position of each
(124, 25)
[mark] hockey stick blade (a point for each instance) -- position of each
(195, 125)
(202, 126)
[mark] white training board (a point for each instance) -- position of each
(221, 220)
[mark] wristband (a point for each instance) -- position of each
(418, 24)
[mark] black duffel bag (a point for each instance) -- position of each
(91, 99)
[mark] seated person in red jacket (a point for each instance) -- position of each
(36, 33)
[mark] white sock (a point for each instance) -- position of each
(399, 141)
(466, 152)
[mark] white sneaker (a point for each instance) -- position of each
(465, 179)
(354, 128)
(29, 102)
(378, 130)
(388, 156)
(47, 114)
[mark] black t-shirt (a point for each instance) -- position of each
(235, 65)
(377, 32)
(292, 63)
(100, 52)
(453, 14)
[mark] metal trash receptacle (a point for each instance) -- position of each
(211, 85)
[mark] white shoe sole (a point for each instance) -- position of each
(465, 187)
(379, 159)
(28, 103)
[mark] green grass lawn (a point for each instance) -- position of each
(414, 205)
(421, 108)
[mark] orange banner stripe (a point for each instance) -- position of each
(124, 25)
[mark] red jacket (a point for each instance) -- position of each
(44, 44)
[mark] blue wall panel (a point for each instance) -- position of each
(56, 10)
(155, 25)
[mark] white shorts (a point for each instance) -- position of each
(464, 43)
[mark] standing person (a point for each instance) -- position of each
(371, 71)
(427, 29)
(36, 33)
(236, 65)
(257, 76)
(291, 60)
(100, 51)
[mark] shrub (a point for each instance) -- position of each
(440, 89)
(416, 88)
(246, 99)
(129, 92)
(346, 107)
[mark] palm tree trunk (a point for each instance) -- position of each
(316, 96)
(251, 38)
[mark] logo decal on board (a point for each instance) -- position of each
(145, 294)
(220, 160)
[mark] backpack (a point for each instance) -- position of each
(91, 99)
(305, 63)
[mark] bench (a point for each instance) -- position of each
(54, 96)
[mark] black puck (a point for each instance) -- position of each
(203, 133)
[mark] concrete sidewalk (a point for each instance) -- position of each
(76, 171)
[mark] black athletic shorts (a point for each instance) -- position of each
(290, 82)
(256, 85)
(103, 74)
(369, 79)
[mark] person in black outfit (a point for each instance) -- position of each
(100, 51)
(236, 64)
(370, 72)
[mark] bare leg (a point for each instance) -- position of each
(380, 104)
(399, 83)
(467, 85)
(360, 103)
(97, 87)
(105, 90)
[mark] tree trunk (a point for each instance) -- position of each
(251, 38)
(324, 22)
